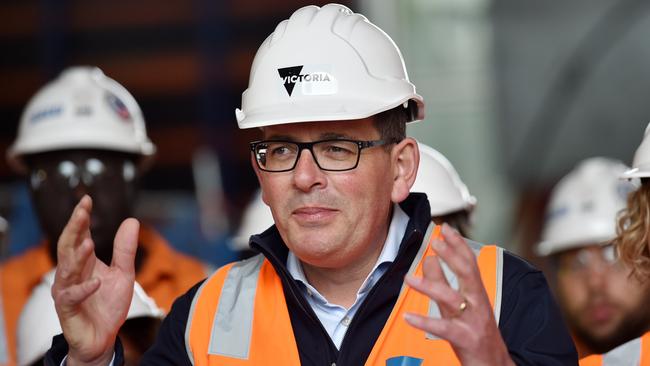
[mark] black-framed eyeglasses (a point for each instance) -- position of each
(335, 155)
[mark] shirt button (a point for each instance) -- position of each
(309, 293)
(346, 321)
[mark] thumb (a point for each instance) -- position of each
(125, 246)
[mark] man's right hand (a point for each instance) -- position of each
(91, 298)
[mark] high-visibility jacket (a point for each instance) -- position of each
(239, 315)
(633, 353)
(165, 274)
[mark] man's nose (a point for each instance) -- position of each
(307, 174)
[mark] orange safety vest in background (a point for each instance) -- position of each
(165, 274)
(239, 315)
(633, 353)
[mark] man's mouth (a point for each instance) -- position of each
(313, 214)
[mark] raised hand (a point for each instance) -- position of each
(91, 298)
(467, 321)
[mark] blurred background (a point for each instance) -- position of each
(517, 92)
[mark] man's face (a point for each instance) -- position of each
(330, 219)
(59, 179)
(602, 303)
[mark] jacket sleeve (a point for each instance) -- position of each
(531, 322)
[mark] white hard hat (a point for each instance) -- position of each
(440, 181)
(38, 321)
(326, 64)
(584, 206)
(641, 162)
(81, 109)
(257, 218)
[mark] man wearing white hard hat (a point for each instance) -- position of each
(330, 94)
(83, 133)
(38, 323)
(605, 307)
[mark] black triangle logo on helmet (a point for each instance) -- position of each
(286, 74)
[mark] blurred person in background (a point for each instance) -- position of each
(83, 133)
(604, 306)
(38, 323)
(354, 271)
(633, 239)
(448, 196)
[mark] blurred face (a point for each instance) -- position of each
(59, 179)
(330, 219)
(603, 305)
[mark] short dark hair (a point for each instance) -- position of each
(391, 124)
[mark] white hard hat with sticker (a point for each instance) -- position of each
(440, 181)
(326, 64)
(584, 206)
(38, 321)
(81, 109)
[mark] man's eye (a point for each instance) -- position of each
(338, 149)
(281, 150)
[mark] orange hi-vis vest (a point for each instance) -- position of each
(633, 353)
(239, 315)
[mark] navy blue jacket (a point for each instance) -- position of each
(530, 321)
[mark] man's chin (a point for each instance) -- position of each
(607, 337)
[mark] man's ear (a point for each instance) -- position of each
(405, 158)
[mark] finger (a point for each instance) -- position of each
(456, 241)
(76, 265)
(447, 299)
(67, 300)
(125, 246)
(460, 258)
(77, 228)
(449, 329)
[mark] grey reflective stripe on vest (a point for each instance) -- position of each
(232, 325)
(434, 310)
(626, 354)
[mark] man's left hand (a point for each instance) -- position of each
(467, 321)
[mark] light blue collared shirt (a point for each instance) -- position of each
(336, 318)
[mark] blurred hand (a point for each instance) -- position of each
(467, 321)
(91, 298)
